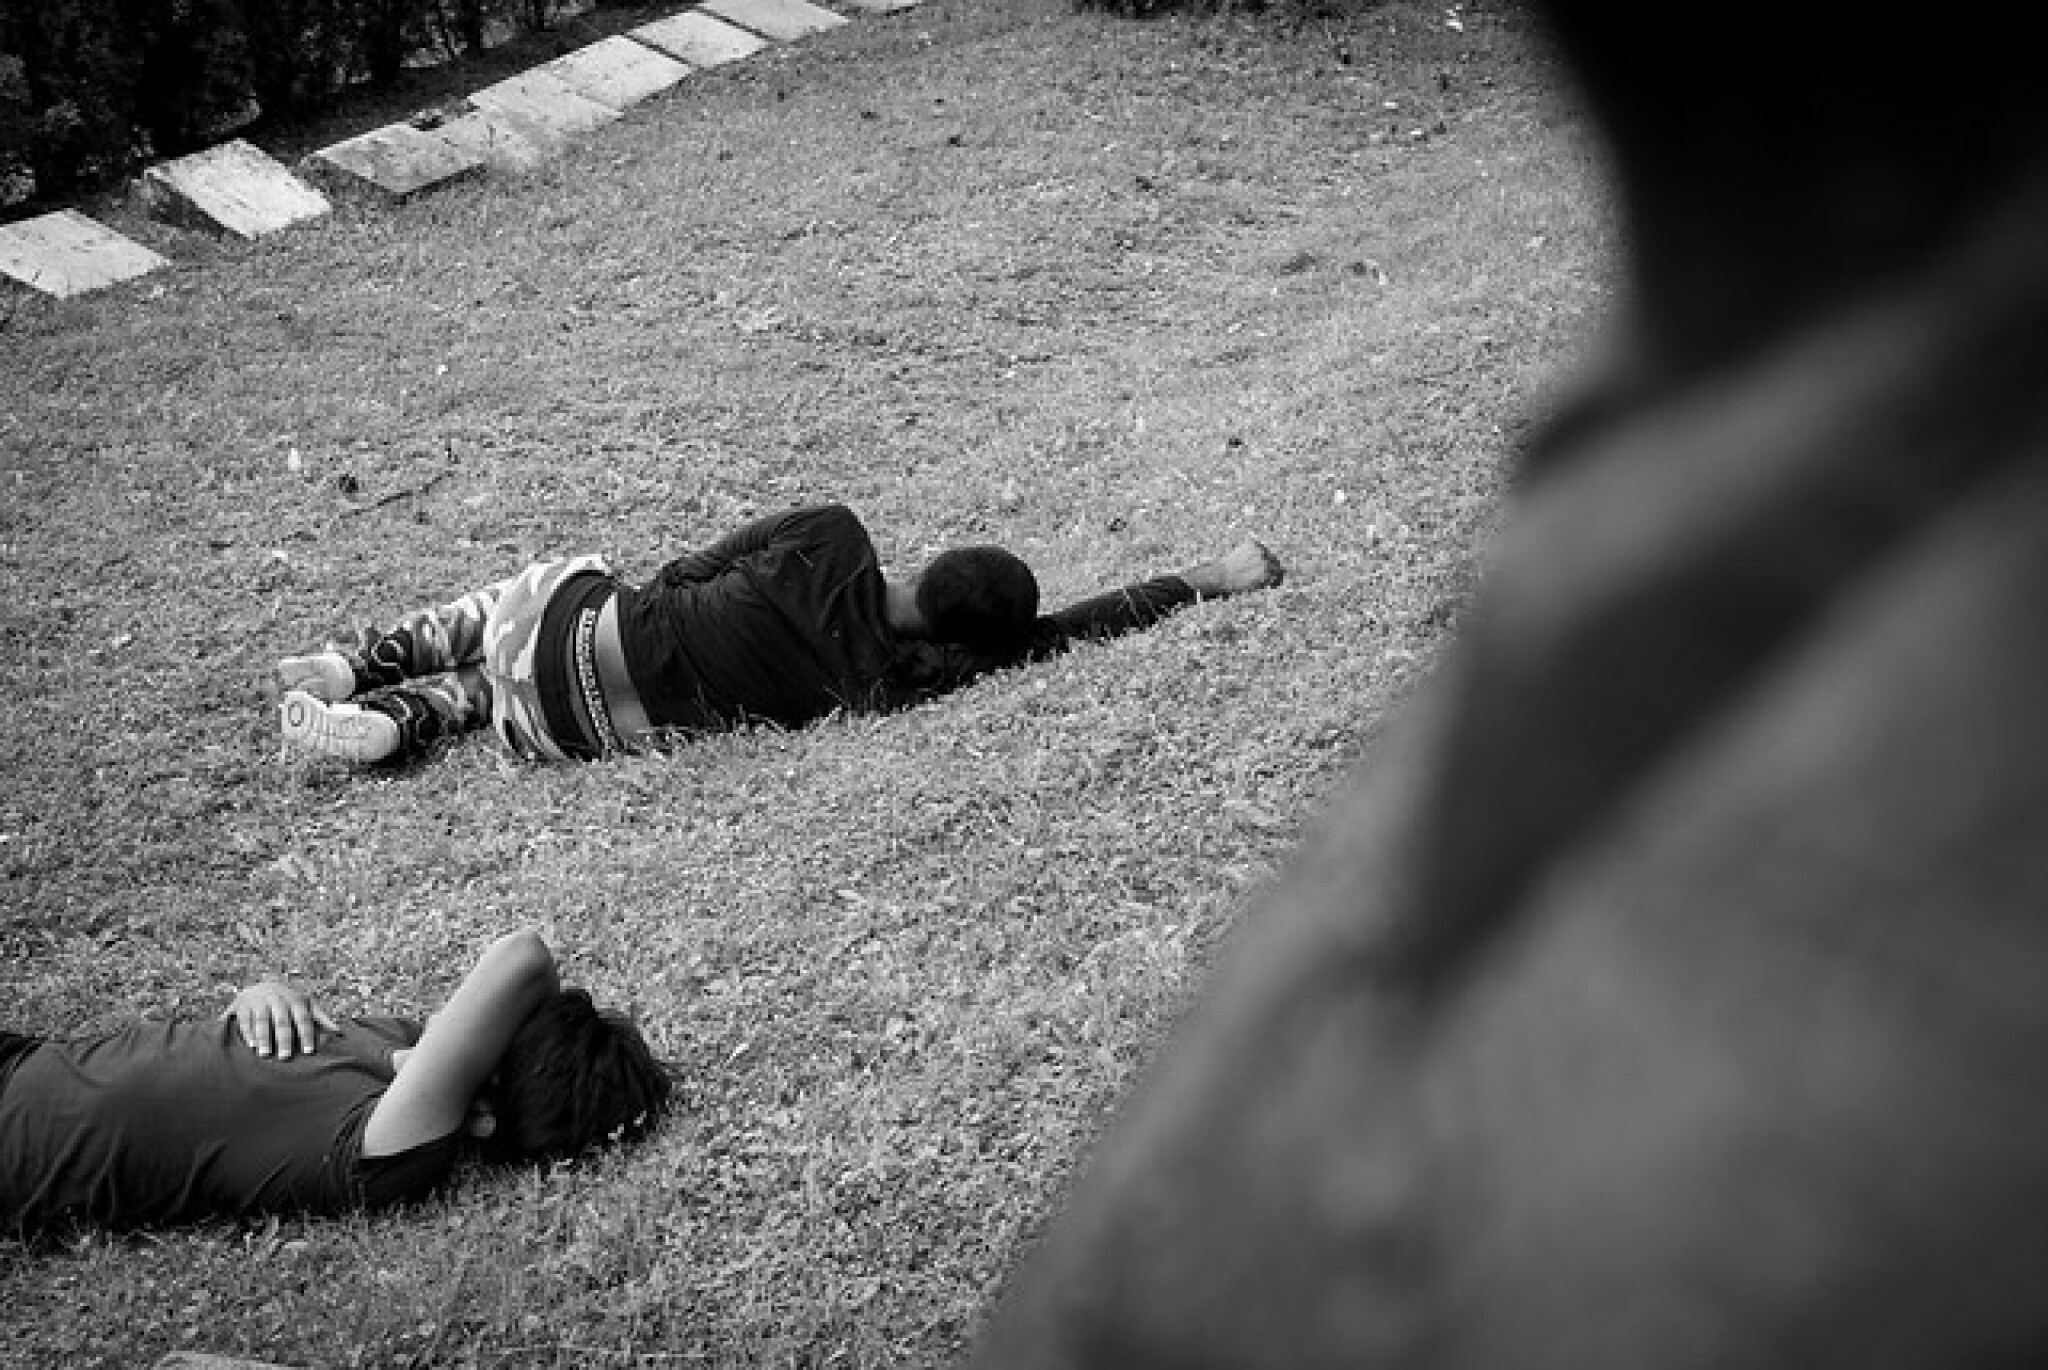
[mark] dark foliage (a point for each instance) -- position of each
(70, 101)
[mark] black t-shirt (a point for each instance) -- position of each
(167, 1121)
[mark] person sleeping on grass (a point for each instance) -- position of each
(277, 1107)
(784, 621)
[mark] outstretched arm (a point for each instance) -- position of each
(461, 1045)
(1248, 566)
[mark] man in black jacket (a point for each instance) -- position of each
(785, 621)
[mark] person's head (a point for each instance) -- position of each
(978, 596)
(573, 1076)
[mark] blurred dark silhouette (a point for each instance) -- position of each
(1670, 992)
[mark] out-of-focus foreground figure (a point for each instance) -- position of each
(1675, 991)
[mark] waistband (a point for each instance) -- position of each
(587, 696)
(614, 681)
(557, 675)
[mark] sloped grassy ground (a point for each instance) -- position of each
(1113, 293)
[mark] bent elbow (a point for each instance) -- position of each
(525, 955)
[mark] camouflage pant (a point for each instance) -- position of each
(470, 663)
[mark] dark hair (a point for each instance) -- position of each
(980, 596)
(574, 1076)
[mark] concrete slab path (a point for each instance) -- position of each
(618, 72)
(506, 145)
(545, 101)
(510, 126)
(699, 39)
(236, 187)
(783, 20)
(396, 160)
(65, 254)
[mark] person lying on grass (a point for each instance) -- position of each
(785, 621)
(275, 1107)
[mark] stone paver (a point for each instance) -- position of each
(236, 187)
(204, 1360)
(618, 72)
(66, 254)
(398, 160)
(783, 20)
(699, 39)
(505, 144)
(513, 125)
(543, 100)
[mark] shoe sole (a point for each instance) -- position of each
(310, 724)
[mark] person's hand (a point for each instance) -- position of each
(277, 1019)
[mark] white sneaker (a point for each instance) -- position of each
(346, 732)
(323, 675)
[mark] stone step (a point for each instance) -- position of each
(543, 101)
(618, 72)
(506, 145)
(397, 160)
(65, 254)
(699, 39)
(236, 187)
(785, 21)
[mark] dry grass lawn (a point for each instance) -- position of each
(1114, 293)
